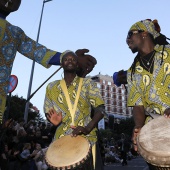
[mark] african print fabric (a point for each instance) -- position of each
(151, 90)
(14, 39)
(145, 25)
(89, 95)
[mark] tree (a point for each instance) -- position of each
(15, 109)
(126, 126)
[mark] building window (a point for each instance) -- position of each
(114, 103)
(114, 110)
(99, 85)
(114, 89)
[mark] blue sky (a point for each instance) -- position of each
(98, 25)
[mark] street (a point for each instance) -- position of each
(134, 164)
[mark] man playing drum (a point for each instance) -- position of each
(13, 39)
(68, 103)
(148, 77)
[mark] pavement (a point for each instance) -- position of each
(137, 163)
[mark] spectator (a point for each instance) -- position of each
(40, 158)
(4, 157)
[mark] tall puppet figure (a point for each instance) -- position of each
(13, 40)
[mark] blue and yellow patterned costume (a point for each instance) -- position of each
(13, 39)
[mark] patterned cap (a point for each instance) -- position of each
(67, 52)
(147, 25)
(10, 5)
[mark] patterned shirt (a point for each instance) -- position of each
(13, 39)
(151, 90)
(89, 96)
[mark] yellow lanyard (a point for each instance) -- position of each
(72, 108)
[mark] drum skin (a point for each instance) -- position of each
(68, 153)
(153, 142)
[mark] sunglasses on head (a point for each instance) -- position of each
(130, 33)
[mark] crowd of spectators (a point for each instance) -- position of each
(116, 151)
(23, 145)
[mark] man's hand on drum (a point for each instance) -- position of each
(167, 113)
(79, 130)
(136, 132)
(54, 117)
(86, 62)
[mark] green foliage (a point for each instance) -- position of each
(125, 126)
(15, 109)
(106, 133)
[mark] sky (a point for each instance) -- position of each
(98, 25)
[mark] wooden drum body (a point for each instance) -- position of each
(68, 153)
(153, 143)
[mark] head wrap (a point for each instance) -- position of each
(9, 5)
(147, 25)
(65, 53)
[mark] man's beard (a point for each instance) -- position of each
(134, 50)
(70, 70)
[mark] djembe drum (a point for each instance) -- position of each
(69, 153)
(153, 143)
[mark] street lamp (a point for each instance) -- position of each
(33, 65)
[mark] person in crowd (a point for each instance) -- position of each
(124, 147)
(27, 158)
(148, 76)
(82, 90)
(40, 158)
(4, 156)
(13, 39)
(25, 154)
(39, 138)
(14, 153)
(19, 125)
(23, 137)
(115, 155)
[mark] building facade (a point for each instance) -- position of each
(115, 97)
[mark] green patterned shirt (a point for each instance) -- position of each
(151, 90)
(89, 96)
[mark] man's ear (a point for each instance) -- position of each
(145, 34)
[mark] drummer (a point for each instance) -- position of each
(62, 93)
(148, 77)
(14, 39)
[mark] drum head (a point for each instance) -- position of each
(154, 142)
(67, 151)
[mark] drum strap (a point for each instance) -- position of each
(152, 114)
(72, 108)
(94, 154)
